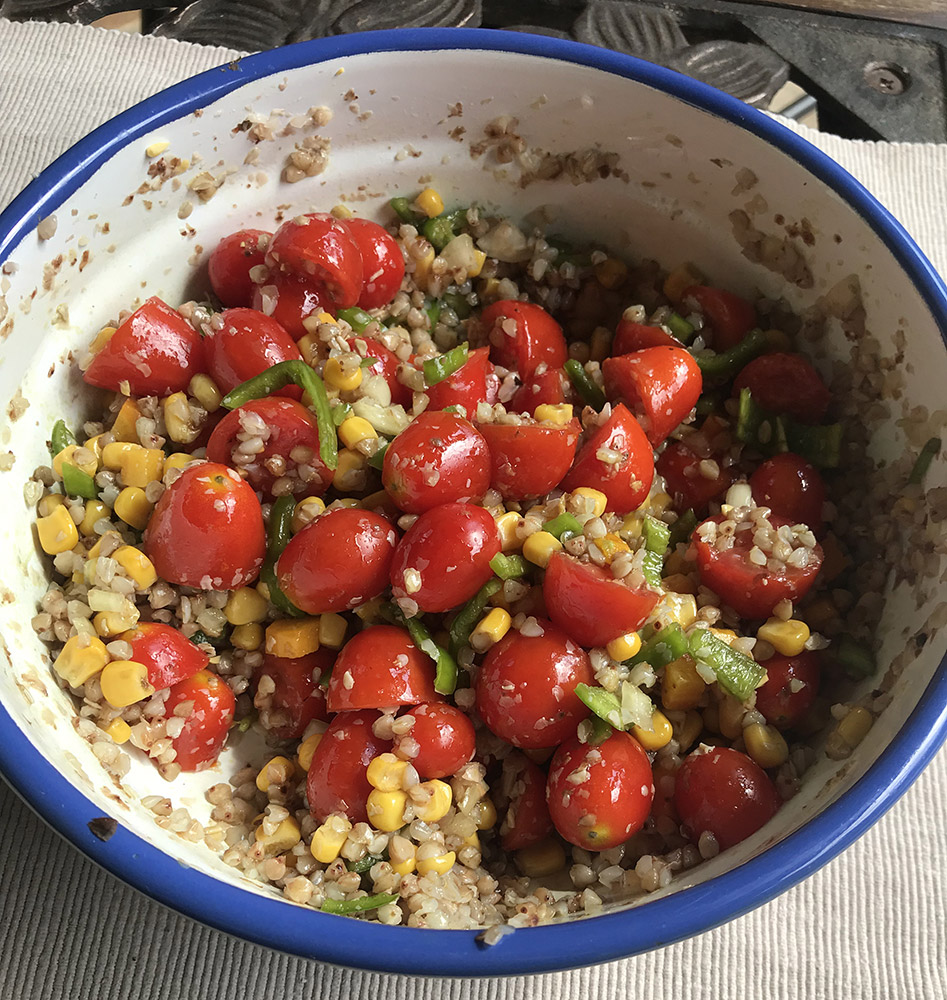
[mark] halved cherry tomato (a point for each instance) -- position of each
(290, 450)
(444, 557)
(637, 336)
(598, 796)
(338, 561)
(442, 736)
(247, 344)
(380, 668)
(525, 691)
(523, 336)
(589, 604)
(690, 489)
(792, 683)
(166, 653)
(786, 383)
(550, 386)
(206, 726)
(725, 793)
(752, 590)
(661, 386)
(386, 365)
(156, 351)
(319, 249)
(792, 488)
(526, 821)
(467, 387)
(289, 300)
(336, 781)
(297, 699)
(207, 531)
(625, 481)
(230, 262)
(382, 262)
(437, 458)
(529, 460)
(730, 317)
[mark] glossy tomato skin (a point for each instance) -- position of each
(380, 668)
(449, 548)
(382, 262)
(551, 386)
(206, 727)
(529, 460)
(525, 690)
(164, 650)
(386, 365)
(637, 336)
(776, 700)
(230, 263)
(536, 339)
(290, 425)
(730, 317)
(752, 591)
(336, 781)
(438, 458)
(786, 383)
(297, 699)
(680, 468)
(792, 488)
(613, 803)
(526, 821)
(338, 561)
(726, 793)
(207, 530)
(156, 351)
(625, 483)
(289, 300)
(443, 736)
(467, 387)
(248, 343)
(661, 385)
(589, 604)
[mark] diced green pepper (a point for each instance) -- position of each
(923, 463)
(340, 413)
(378, 459)
(679, 326)
(279, 532)
(682, 528)
(820, 444)
(432, 309)
(438, 231)
(346, 907)
(60, 437)
(601, 730)
(444, 365)
(726, 364)
(357, 319)
(602, 703)
(509, 567)
(564, 526)
(583, 384)
(656, 535)
(404, 211)
(737, 674)
(454, 300)
(469, 615)
(445, 666)
(854, 658)
(365, 864)
(660, 649)
(78, 483)
(652, 565)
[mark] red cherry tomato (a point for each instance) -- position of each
(338, 561)
(156, 351)
(386, 365)
(382, 262)
(529, 460)
(791, 488)
(527, 818)
(637, 336)
(206, 726)
(289, 301)
(523, 336)
(792, 683)
(611, 802)
(442, 736)
(230, 262)
(625, 482)
(551, 386)
(786, 383)
(297, 698)
(380, 668)
(752, 590)
(589, 604)
(336, 781)
(290, 452)
(247, 344)
(439, 457)
(166, 653)
(730, 317)
(207, 530)
(525, 690)
(680, 468)
(467, 387)
(725, 793)
(444, 557)
(319, 249)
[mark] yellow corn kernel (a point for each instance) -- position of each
(355, 430)
(788, 638)
(141, 466)
(328, 839)
(598, 498)
(490, 629)
(137, 565)
(82, 657)
(658, 736)
(386, 810)
(386, 772)
(680, 583)
(480, 258)
(94, 444)
(336, 377)
(204, 389)
(101, 339)
(854, 727)
(559, 414)
(156, 148)
(132, 507)
(611, 272)
(611, 545)
(309, 345)
(305, 511)
(350, 471)
(691, 728)
(111, 623)
(307, 750)
(341, 212)
(439, 797)
(624, 647)
(276, 771)
(178, 460)
(95, 510)
(506, 528)
(248, 637)
(429, 202)
(485, 813)
(658, 503)
(292, 637)
(332, 629)
(119, 730)
(113, 454)
(542, 859)
(94, 553)
(631, 527)
(680, 608)
(57, 532)
(472, 840)
(245, 606)
(679, 279)
(88, 463)
(440, 863)
(370, 611)
(540, 546)
(284, 838)
(765, 744)
(124, 682)
(404, 867)
(726, 635)
(49, 503)
(423, 265)
(177, 418)
(681, 686)
(124, 428)
(730, 712)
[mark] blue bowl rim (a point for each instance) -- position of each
(308, 933)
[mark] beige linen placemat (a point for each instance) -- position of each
(870, 926)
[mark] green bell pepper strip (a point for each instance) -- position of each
(357, 319)
(679, 326)
(923, 463)
(404, 211)
(439, 368)
(78, 483)
(652, 565)
(854, 658)
(737, 674)
(657, 535)
(280, 375)
(601, 730)
(726, 364)
(662, 647)
(340, 413)
(563, 526)
(605, 705)
(438, 231)
(445, 672)
(377, 460)
(60, 437)
(683, 528)
(468, 616)
(279, 532)
(345, 907)
(509, 567)
(774, 433)
(590, 393)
